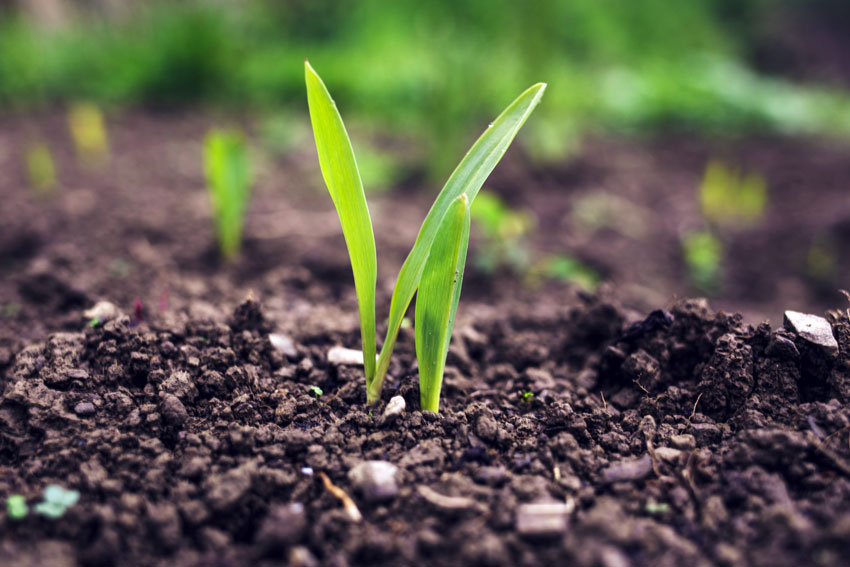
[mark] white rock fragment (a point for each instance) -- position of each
(284, 344)
(102, 311)
(395, 406)
(376, 480)
(542, 519)
(812, 329)
(347, 356)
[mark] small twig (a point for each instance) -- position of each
(653, 401)
(604, 403)
(556, 472)
(347, 503)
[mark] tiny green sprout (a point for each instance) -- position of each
(16, 507)
(316, 391)
(94, 322)
(528, 397)
(433, 270)
(228, 172)
(370, 414)
(56, 501)
(40, 169)
(504, 232)
(88, 131)
(653, 507)
(703, 254)
(728, 196)
(568, 269)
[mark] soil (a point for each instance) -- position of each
(676, 436)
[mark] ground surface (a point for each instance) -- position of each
(694, 438)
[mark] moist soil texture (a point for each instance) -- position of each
(198, 415)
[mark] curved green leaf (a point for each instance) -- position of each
(437, 299)
(466, 179)
(339, 169)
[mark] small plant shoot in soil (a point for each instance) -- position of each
(56, 501)
(728, 196)
(16, 507)
(228, 173)
(40, 168)
(434, 266)
(88, 131)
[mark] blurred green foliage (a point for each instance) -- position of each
(730, 197)
(411, 66)
(228, 172)
(703, 253)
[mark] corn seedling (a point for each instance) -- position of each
(56, 501)
(41, 170)
(228, 173)
(434, 267)
(703, 254)
(88, 132)
(728, 196)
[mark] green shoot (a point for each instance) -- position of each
(56, 501)
(41, 170)
(88, 131)
(504, 233)
(527, 397)
(729, 197)
(228, 173)
(437, 299)
(316, 391)
(703, 254)
(568, 269)
(16, 507)
(339, 169)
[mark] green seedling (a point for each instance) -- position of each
(56, 501)
(503, 231)
(527, 397)
(434, 267)
(16, 507)
(703, 254)
(228, 173)
(88, 132)
(728, 196)
(316, 391)
(568, 269)
(41, 170)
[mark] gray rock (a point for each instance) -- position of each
(103, 311)
(542, 519)
(284, 344)
(284, 526)
(628, 470)
(395, 406)
(376, 480)
(814, 330)
(84, 409)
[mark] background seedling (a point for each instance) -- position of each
(339, 169)
(703, 254)
(316, 391)
(40, 168)
(228, 173)
(88, 132)
(730, 197)
(503, 233)
(56, 501)
(16, 507)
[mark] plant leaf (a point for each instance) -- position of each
(437, 299)
(466, 179)
(339, 169)
(229, 181)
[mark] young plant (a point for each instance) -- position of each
(88, 131)
(730, 197)
(434, 266)
(228, 174)
(41, 170)
(56, 501)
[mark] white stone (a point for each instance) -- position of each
(347, 356)
(376, 480)
(813, 329)
(284, 344)
(395, 406)
(542, 519)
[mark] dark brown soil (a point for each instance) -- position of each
(678, 437)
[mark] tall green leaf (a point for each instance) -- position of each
(437, 299)
(228, 174)
(339, 169)
(467, 179)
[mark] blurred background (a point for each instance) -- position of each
(681, 149)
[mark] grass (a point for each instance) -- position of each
(434, 267)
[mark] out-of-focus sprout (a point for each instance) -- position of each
(88, 132)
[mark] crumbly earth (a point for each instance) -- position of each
(685, 438)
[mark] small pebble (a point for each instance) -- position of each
(84, 409)
(376, 480)
(812, 329)
(627, 470)
(284, 344)
(705, 433)
(684, 442)
(347, 356)
(395, 406)
(542, 519)
(173, 411)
